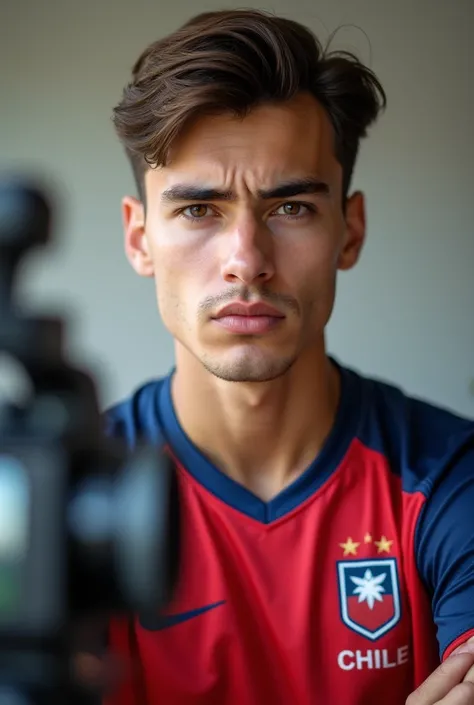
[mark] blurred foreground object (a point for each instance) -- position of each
(85, 527)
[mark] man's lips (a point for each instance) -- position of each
(256, 309)
(248, 319)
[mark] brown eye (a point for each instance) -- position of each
(197, 211)
(292, 208)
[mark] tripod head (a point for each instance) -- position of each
(85, 526)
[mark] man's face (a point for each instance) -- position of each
(247, 214)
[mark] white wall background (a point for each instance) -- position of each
(406, 314)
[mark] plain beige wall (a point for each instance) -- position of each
(405, 314)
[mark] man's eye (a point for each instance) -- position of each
(293, 209)
(198, 211)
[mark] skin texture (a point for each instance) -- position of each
(269, 398)
(452, 683)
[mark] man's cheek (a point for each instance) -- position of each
(169, 297)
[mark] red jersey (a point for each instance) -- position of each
(348, 586)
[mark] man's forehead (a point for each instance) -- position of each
(323, 177)
(273, 144)
(284, 132)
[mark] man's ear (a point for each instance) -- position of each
(136, 243)
(355, 231)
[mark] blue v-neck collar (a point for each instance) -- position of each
(235, 495)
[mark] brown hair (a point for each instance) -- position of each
(232, 61)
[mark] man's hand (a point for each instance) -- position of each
(452, 683)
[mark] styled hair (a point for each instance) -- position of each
(232, 61)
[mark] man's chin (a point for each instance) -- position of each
(248, 370)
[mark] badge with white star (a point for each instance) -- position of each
(369, 595)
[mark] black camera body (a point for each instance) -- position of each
(86, 527)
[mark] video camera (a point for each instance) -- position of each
(86, 527)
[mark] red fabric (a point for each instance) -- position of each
(280, 636)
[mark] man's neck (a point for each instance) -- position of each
(263, 435)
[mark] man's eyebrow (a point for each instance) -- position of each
(192, 192)
(294, 187)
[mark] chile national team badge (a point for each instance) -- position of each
(369, 596)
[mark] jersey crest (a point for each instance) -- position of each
(369, 596)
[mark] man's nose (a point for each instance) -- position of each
(248, 254)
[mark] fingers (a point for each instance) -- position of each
(469, 677)
(462, 694)
(447, 677)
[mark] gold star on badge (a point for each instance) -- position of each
(383, 545)
(350, 547)
(367, 538)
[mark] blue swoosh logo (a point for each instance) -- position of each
(157, 623)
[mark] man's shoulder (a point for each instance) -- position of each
(136, 417)
(419, 439)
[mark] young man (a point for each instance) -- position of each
(328, 523)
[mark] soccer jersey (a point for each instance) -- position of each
(348, 587)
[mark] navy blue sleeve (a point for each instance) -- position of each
(445, 548)
(136, 418)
